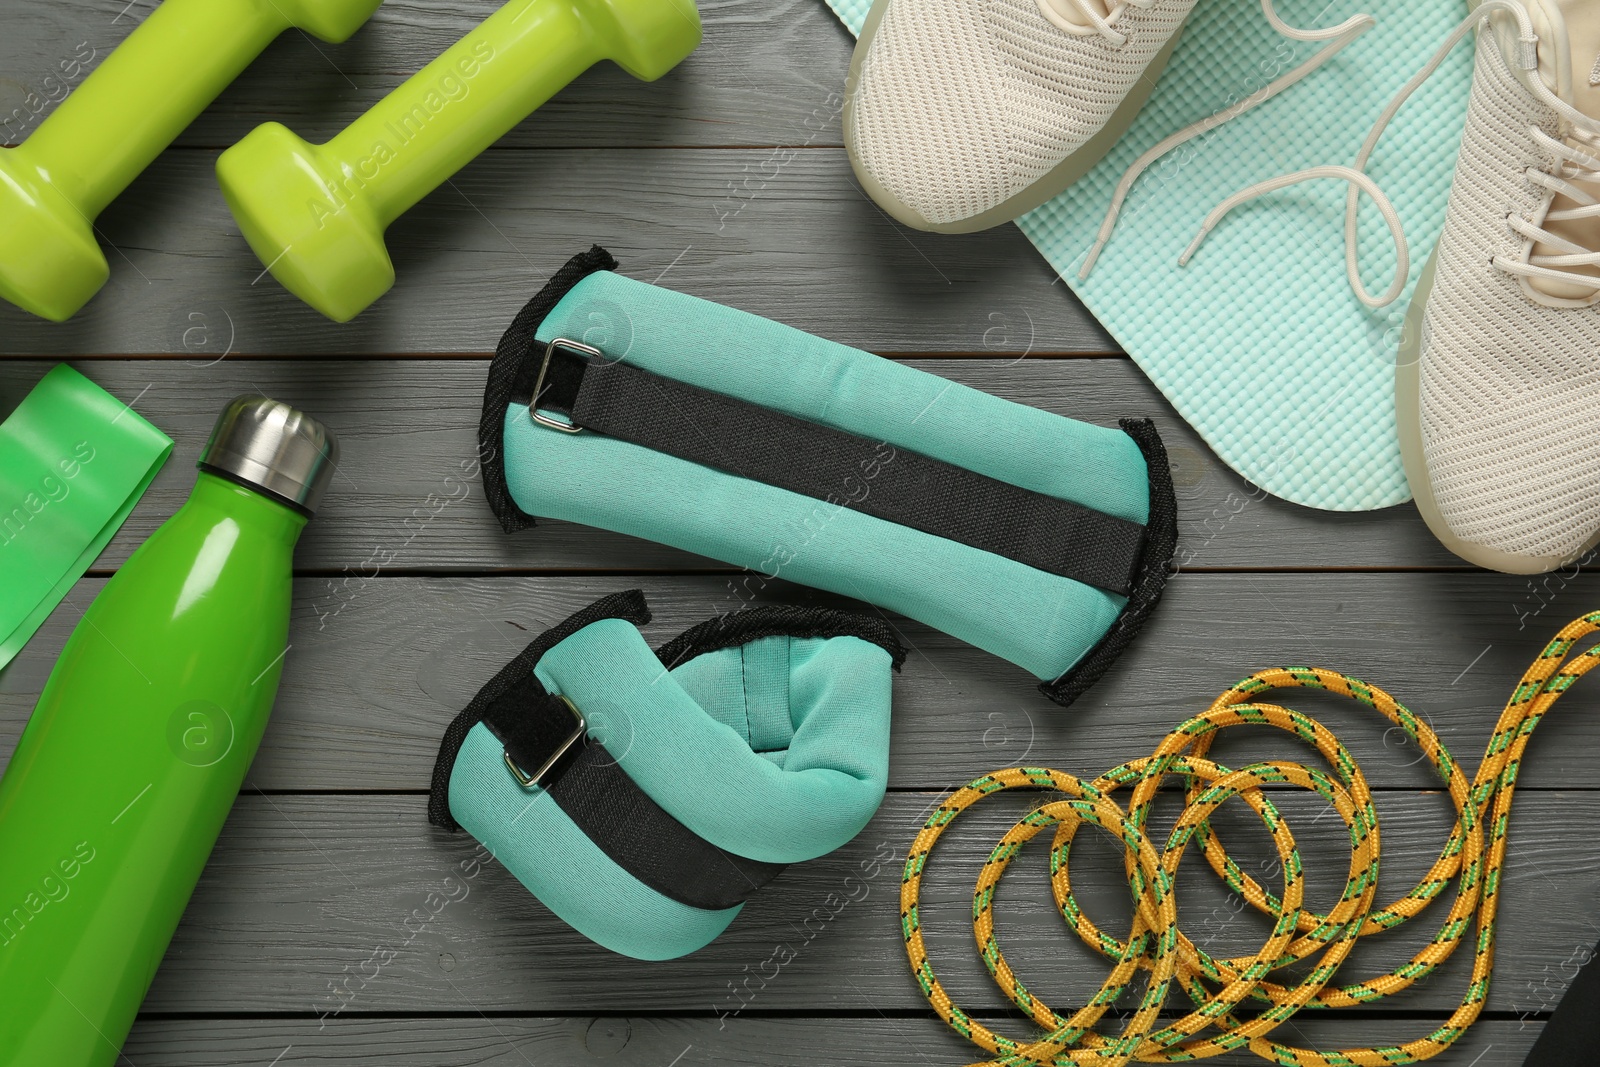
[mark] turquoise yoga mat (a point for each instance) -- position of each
(1259, 343)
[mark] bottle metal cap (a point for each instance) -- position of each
(271, 446)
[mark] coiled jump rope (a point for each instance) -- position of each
(1473, 858)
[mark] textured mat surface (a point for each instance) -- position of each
(1259, 342)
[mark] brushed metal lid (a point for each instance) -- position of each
(271, 446)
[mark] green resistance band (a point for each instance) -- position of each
(74, 460)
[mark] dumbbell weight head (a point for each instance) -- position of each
(117, 121)
(315, 214)
(304, 216)
(50, 262)
(331, 20)
(646, 38)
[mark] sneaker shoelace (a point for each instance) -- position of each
(1338, 38)
(1575, 159)
(1571, 160)
(1105, 22)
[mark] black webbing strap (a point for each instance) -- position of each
(1161, 541)
(844, 469)
(779, 620)
(535, 728)
(647, 842)
(629, 605)
(613, 811)
(505, 371)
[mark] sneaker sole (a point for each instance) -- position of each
(1047, 188)
(1408, 420)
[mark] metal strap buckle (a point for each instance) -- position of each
(579, 729)
(544, 368)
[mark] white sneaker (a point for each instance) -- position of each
(964, 114)
(1498, 377)
(1498, 387)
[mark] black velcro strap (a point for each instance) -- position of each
(612, 811)
(647, 842)
(535, 728)
(1161, 541)
(846, 470)
(503, 381)
(629, 605)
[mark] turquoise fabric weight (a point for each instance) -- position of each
(1259, 342)
(1047, 623)
(828, 759)
(1040, 622)
(774, 748)
(569, 874)
(777, 366)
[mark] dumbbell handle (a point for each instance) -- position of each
(518, 58)
(144, 93)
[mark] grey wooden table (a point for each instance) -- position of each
(726, 180)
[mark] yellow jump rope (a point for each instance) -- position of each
(1473, 856)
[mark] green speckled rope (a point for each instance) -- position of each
(1473, 858)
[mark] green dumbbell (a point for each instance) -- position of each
(114, 124)
(316, 214)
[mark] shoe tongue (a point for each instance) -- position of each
(1072, 11)
(1569, 64)
(1555, 46)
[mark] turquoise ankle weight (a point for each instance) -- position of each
(1043, 540)
(1259, 342)
(644, 796)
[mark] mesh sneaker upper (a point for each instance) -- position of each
(1510, 388)
(962, 104)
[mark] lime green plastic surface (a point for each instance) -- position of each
(316, 214)
(74, 460)
(125, 773)
(116, 122)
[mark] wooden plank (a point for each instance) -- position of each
(407, 426)
(653, 1041)
(305, 889)
(378, 668)
(765, 74)
(793, 238)
(304, 906)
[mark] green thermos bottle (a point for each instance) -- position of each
(121, 782)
